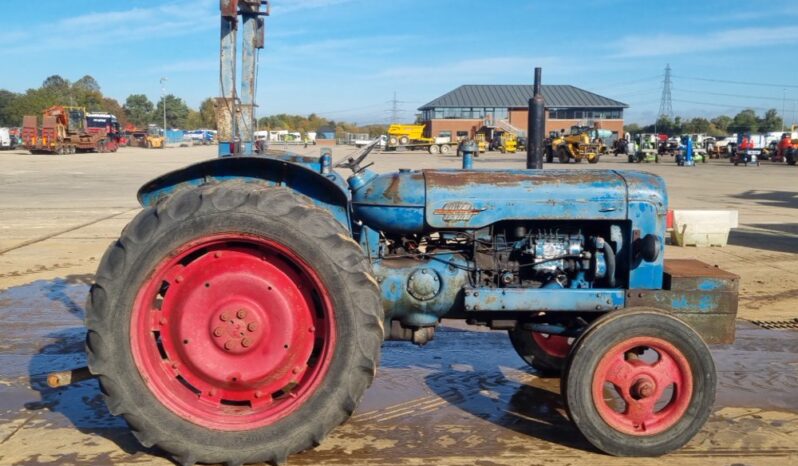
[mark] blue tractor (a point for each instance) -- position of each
(239, 317)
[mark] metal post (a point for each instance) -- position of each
(536, 126)
(246, 123)
(226, 104)
(469, 149)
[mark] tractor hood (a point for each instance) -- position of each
(417, 201)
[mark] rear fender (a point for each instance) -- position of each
(301, 174)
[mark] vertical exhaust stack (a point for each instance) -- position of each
(536, 126)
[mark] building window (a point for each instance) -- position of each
(584, 114)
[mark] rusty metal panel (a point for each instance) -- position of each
(715, 329)
(229, 8)
(691, 302)
(484, 197)
(694, 275)
(224, 118)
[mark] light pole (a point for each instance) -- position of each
(783, 107)
(163, 102)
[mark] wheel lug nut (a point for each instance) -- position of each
(259, 394)
(178, 279)
(212, 392)
(312, 329)
(228, 345)
(162, 321)
(225, 316)
(217, 254)
(246, 342)
(242, 313)
(218, 331)
(252, 326)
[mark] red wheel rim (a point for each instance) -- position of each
(639, 397)
(232, 331)
(554, 345)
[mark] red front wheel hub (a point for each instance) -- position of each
(642, 386)
(233, 331)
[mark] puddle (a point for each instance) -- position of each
(465, 393)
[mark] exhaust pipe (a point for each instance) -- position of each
(536, 126)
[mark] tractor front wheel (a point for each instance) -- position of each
(234, 323)
(545, 353)
(639, 383)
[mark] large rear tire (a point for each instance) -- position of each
(639, 383)
(234, 323)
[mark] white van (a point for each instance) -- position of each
(5, 139)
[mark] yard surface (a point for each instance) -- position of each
(466, 398)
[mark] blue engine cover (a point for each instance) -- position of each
(419, 201)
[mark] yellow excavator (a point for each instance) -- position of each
(581, 143)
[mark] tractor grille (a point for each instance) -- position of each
(777, 324)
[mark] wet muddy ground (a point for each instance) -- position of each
(465, 398)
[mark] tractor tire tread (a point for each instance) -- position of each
(103, 349)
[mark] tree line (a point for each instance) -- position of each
(137, 111)
(746, 121)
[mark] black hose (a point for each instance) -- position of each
(609, 258)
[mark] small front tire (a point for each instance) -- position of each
(639, 383)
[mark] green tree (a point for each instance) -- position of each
(745, 122)
(7, 115)
(771, 122)
(632, 128)
(87, 83)
(139, 110)
(112, 106)
(697, 125)
(176, 112)
(56, 82)
(722, 123)
(207, 113)
(193, 120)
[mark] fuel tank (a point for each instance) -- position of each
(419, 201)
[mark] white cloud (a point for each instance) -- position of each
(127, 26)
(675, 44)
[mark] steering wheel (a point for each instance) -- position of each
(353, 163)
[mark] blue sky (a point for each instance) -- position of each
(344, 59)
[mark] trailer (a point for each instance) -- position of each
(414, 137)
(68, 130)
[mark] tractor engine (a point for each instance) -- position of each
(546, 257)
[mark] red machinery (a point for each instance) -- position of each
(66, 130)
(786, 150)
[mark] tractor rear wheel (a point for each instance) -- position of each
(546, 353)
(639, 382)
(234, 323)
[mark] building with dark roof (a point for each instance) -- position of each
(467, 109)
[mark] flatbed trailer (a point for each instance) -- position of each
(64, 131)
